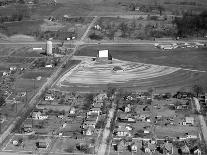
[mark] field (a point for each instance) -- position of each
(24, 27)
(147, 67)
(186, 58)
(27, 51)
(35, 74)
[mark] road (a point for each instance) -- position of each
(106, 132)
(49, 82)
(202, 120)
(33, 102)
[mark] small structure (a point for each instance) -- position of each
(189, 121)
(104, 57)
(49, 47)
(185, 149)
(94, 111)
(122, 132)
(127, 108)
(168, 148)
(72, 110)
(42, 145)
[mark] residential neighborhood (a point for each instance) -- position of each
(103, 77)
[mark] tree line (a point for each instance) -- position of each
(191, 25)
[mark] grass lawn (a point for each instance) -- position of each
(29, 143)
(35, 74)
(28, 84)
(23, 27)
(26, 51)
(186, 58)
(5, 50)
(19, 60)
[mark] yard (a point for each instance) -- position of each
(27, 143)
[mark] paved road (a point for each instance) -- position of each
(106, 132)
(202, 120)
(49, 82)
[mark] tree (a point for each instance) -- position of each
(197, 89)
(2, 99)
(124, 28)
(70, 149)
(161, 9)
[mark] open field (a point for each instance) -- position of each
(87, 75)
(23, 27)
(186, 58)
(20, 60)
(26, 52)
(35, 74)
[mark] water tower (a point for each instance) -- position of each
(49, 47)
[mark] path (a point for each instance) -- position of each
(201, 119)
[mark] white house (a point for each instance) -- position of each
(49, 97)
(72, 110)
(188, 121)
(94, 111)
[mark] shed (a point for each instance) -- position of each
(41, 145)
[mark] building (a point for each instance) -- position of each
(189, 121)
(104, 57)
(168, 148)
(122, 132)
(49, 47)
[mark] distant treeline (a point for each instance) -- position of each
(192, 25)
(21, 11)
(182, 3)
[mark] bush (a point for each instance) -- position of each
(94, 36)
(116, 68)
(70, 149)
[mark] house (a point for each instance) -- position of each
(93, 117)
(128, 127)
(197, 151)
(89, 131)
(127, 108)
(72, 110)
(121, 146)
(150, 147)
(185, 149)
(167, 148)
(97, 27)
(188, 121)
(89, 124)
(42, 145)
(13, 68)
(134, 147)
(97, 104)
(94, 110)
(49, 97)
(122, 132)
(49, 65)
(5, 74)
(100, 97)
(38, 116)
